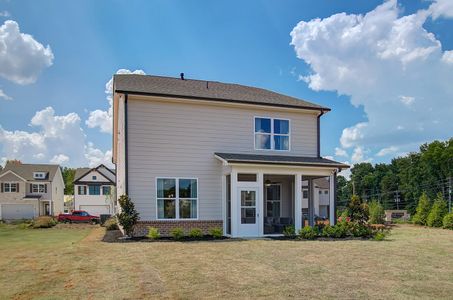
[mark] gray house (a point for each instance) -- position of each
(30, 190)
(195, 153)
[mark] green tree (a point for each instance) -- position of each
(377, 213)
(422, 210)
(68, 178)
(438, 212)
(128, 216)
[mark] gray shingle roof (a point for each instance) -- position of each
(206, 90)
(279, 160)
(26, 170)
(81, 172)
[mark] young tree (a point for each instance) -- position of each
(377, 213)
(438, 211)
(128, 216)
(68, 177)
(357, 210)
(422, 210)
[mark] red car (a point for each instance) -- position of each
(78, 216)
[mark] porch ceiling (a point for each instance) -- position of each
(238, 158)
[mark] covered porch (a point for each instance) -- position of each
(262, 194)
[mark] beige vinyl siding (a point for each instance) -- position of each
(168, 139)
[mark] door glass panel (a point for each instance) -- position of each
(248, 208)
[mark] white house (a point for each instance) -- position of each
(94, 190)
(204, 154)
(30, 190)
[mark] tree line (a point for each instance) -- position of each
(400, 183)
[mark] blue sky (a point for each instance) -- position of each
(246, 42)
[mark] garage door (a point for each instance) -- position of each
(17, 211)
(96, 210)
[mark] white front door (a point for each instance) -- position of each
(249, 215)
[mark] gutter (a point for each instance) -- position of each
(319, 132)
(126, 161)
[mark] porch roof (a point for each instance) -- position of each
(32, 197)
(239, 158)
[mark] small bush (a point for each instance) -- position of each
(153, 233)
(111, 224)
(128, 216)
(360, 230)
(308, 233)
(24, 225)
(448, 221)
(289, 231)
(437, 213)
(177, 233)
(422, 210)
(195, 233)
(216, 232)
(379, 236)
(358, 210)
(329, 231)
(44, 222)
(377, 213)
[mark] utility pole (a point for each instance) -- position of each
(449, 194)
(397, 199)
(353, 187)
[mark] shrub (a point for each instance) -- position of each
(379, 236)
(357, 210)
(44, 222)
(153, 233)
(377, 213)
(289, 231)
(24, 225)
(328, 231)
(195, 233)
(177, 233)
(360, 230)
(437, 212)
(111, 224)
(128, 216)
(308, 233)
(448, 221)
(422, 210)
(216, 232)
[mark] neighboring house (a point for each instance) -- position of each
(94, 190)
(203, 154)
(30, 190)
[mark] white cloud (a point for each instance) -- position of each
(375, 59)
(5, 96)
(54, 138)
(441, 8)
(59, 159)
(95, 156)
(340, 152)
(5, 14)
(103, 119)
(358, 155)
(386, 151)
(448, 57)
(22, 58)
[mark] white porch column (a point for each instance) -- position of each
(224, 204)
(298, 202)
(234, 202)
(260, 199)
(332, 199)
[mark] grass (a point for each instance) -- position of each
(72, 262)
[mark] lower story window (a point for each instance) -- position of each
(177, 198)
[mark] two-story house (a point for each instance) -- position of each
(94, 190)
(30, 190)
(194, 153)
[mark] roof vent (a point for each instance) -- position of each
(182, 76)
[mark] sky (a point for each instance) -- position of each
(385, 68)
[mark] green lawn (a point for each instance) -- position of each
(72, 262)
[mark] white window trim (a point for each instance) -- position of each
(272, 134)
(86, 189)
(102, 189)
(280, 201)
(42, 175)
(38, 185)
(9, 186)
(177, 199)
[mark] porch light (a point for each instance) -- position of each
(267, 182)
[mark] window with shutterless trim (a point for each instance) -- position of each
(177, 198)
(272, 134)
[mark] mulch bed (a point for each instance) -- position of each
(115, 236)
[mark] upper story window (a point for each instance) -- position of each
(82, 189)
(39, 175)
(39, 188)
(177, 198)
(272, 134)
(106, 190)
(94, 177)
(10, 187)
(94, 189)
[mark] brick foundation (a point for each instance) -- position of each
(165, 227)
